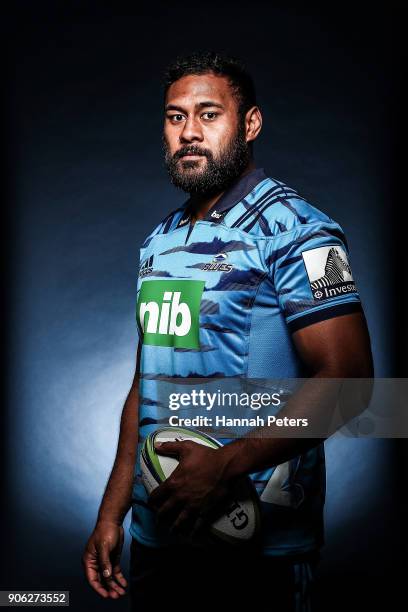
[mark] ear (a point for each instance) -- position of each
(253, 123)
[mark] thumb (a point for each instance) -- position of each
(104, 561)
(168, 448)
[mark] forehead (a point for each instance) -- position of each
(195, 88)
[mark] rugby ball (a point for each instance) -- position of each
(239, 522)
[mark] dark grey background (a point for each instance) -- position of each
(85, 182)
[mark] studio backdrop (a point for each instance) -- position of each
(87, 183)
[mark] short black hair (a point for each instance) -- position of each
(206, 62)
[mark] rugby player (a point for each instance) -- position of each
(267, 282)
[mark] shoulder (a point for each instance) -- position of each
(273, 208)
(165, 225)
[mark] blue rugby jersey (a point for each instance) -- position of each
(221, 298)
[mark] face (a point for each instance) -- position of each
(205, 140)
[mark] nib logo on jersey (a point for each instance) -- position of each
(329, 272)
(218, 264)
(168, 312)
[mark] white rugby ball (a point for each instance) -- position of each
(240, 521)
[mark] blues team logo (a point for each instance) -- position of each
(329, 272)
(218, 264)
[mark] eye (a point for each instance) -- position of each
(176, 118)
(210, 115)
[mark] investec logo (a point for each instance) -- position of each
(326, 292)
(329, 272)
(168, 312)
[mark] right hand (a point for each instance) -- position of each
(101, 560)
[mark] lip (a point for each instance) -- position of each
(191, 156)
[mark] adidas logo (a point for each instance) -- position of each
(216, 215)
(146, 267)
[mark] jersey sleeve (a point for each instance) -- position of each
(310, 269)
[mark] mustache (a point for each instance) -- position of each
(192, 150)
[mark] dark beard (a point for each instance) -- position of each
(219, 172)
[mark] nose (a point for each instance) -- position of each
(191, 132)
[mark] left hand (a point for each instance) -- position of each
(185, 500)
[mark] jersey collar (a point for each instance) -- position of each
(238, 190)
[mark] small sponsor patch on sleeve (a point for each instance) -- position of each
(329, 272)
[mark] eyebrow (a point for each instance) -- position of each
(204, 104)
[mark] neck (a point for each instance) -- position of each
(201, 204)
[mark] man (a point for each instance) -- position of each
(282, 305)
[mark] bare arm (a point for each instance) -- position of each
(116, 500)
(336, 348)
(101, 558)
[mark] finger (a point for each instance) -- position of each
(97, 586)
(215, 504)
(213, 507)
(169, 511)
(105, 566)
(94, 581)
(117, 581)
(119, 577)
(114, 587)
(92, 575)
(198, 527)
(182, 523)
(117, 571)
(169, 448)
(159, 495)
